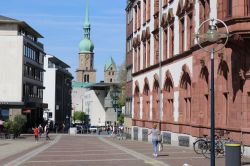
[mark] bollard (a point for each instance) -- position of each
(233, 154)
(186, 165)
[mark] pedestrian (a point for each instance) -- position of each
(155, 132)
(108, 128)
(46, 132)
(63, 127)
(36, 133)
(40, 130)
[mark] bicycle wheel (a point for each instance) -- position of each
(219, 148)
(206, 151)
(199, 145)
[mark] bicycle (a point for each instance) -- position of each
(219, 148)
(220, 142)
(200, 144)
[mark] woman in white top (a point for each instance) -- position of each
(155, 132)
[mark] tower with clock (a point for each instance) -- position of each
(86, 71)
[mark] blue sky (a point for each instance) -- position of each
(61, 22)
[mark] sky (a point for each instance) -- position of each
(61, 24)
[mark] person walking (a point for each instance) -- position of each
(36, 133)
(155, 132)
(46, 132)
(40, 130)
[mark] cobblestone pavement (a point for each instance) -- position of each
(106, 151)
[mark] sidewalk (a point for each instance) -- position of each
(11, 149)
(173, 155)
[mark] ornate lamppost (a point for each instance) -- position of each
(212, 35)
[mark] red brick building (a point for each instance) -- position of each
(170, 68)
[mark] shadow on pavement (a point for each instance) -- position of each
(245, 163)
(162, 155)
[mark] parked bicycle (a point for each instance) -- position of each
(200, 144)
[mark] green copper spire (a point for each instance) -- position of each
(86, 22)
(86, 44)
(86, 26)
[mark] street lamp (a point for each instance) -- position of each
(115, 97)
(212, 35)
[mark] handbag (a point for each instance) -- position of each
(160, 147)
(159, 138)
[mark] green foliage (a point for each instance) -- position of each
(78, 115)
(121, 118)
(122, 79)
(16, 125)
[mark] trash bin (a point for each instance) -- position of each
(233, 154)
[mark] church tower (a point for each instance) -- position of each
(110, 71)
(86, 71)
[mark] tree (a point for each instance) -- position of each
(122, 80)
(78, 115)
(16, 125)
(121, 118)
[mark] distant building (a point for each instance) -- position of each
(57, 93)
(98, 104)
(110, 71)
(21, 71)
(79, 88)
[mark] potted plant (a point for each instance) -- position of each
(14, 127)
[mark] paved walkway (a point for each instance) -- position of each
(105, 151)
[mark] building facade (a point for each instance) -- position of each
(129, 68)
(79, 88)
(21, 63)
(57, 93)
(171, 74)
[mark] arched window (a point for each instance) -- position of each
(185, 97)
(168, 98)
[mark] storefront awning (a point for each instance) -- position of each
(27, 111)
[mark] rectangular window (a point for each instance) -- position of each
(148, 53)
(144, 10)
(156, 6)
(181, 23)
(148, 9)
(135, 59)
(139, 17)
(135, 14)
(165, 44)
(144, 55)
(171, 42)
(139, 59)
(248, 7)
(229, 8)
(156, 47)
(190, 33)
